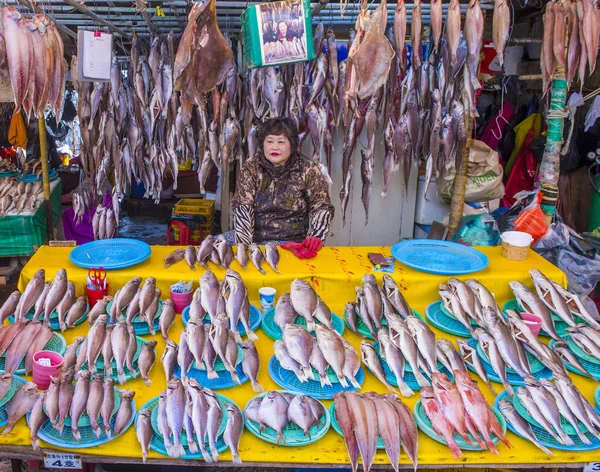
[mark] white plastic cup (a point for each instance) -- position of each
(267, 297)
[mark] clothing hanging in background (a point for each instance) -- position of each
(17, 131)
(533, 121)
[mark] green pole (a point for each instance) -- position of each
(550, 167)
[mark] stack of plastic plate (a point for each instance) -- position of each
(57, 344)
(50, 435)
(425, 425)
(255, 319)
(543, 436)
(157, 443)
(100, 362)
(224, 379)
(292, 433)
(362, 329)
(140, 325)
(289, 381)
(16, 384)
(274, 332)
(441, 318)
(409, 376)
(54, 324)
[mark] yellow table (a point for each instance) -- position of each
(334, 273)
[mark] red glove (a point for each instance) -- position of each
(313, 244)
(297, 249)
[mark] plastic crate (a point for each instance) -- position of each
(194, 206)
(196, 235)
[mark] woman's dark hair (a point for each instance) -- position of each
(277, 126)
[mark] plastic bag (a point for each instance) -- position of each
(484, 176)
(477, 230)
(583, 271)
(507, 219)
(532, 219)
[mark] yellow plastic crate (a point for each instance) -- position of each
(194, 206)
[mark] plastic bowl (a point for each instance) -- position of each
(533, 321)
(42, 373)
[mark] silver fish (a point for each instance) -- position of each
(548, 294)
(425, 340)
(257, 258)
(144, 432)
(241, 255)
(167, 317)
(108, 405)
(273, 412)
(36, 419)
(372, 361)
(521, 426)
(488, 345)
(225, 252)
(322, 313)
(403, 340)
(215, 414)
(197, 409)
(532, 304)
(299, 345)
(534, 410)
(209, 286)
(233, 431)
(287, 362)
(272, 256)
(175, 407)
(79, 402)
(471, 358)
(304, 301)
(169, 359)
(284, 311)
(125, 412)
(395, 361)
(251, 364)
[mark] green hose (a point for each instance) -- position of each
(594, 219)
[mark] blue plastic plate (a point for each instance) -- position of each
(52, 175)
(293, 434)
(111, 254)
(48, 434)
(224, 381)
(409, 376)
(439, 257)
(17, 383)
(287, 380)
(274, 332)
(439, 317)
(545, 439)
(597, 396)
(513, 378)
(255, 319)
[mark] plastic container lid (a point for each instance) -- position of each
(517, 238)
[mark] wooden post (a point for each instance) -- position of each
(459, 187)
(45, 175)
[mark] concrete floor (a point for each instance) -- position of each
(145, 228)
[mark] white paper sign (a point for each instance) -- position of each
(61, 461)
(592, 467)
(96, 54)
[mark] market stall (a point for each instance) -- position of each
(339, 272)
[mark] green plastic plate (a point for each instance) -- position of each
(575, 349)
(364, 331)
(100, 361)
(425, 426)
(293, 434)
(57, 344)
(15, 385)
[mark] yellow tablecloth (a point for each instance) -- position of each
(334, 274)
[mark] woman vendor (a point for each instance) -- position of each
(280, 195)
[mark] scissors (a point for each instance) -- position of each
(98, 277)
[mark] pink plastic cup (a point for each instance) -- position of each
(533, 321)
(181, 300)
(42, 373)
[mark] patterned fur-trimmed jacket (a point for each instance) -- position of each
(286, 203)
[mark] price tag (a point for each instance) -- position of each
(62, 461)
(592, 467)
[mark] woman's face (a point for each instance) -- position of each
(277, 149)
(283, 28)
